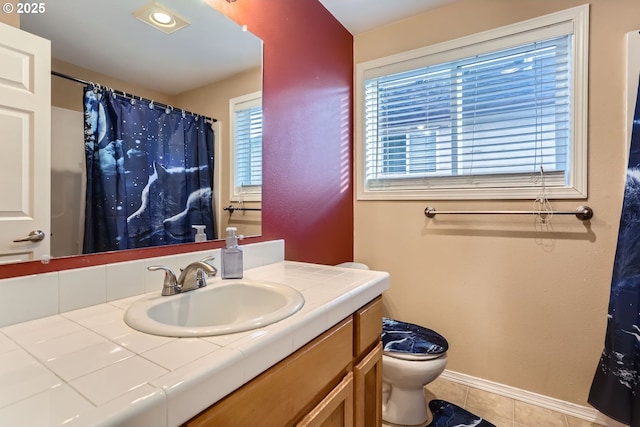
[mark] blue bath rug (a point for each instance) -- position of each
(447, 414)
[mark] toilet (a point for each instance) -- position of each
(413, 357)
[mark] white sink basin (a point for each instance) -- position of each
(219, 308)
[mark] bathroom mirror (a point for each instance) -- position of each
(198, 68)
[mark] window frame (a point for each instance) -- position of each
(251, 193)
(500, 38)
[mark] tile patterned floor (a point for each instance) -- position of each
(499, 410)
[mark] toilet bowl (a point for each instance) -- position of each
(413, 357)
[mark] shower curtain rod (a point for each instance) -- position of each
(119, 92)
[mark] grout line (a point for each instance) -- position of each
(466, 395)
(513, 415)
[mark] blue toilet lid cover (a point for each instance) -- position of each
(402, 337)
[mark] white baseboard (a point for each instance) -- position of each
(568, 408)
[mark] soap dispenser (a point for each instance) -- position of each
(201, 236)
(231, 256)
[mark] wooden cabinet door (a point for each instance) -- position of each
(368, 389)
(283, 394)
(368, 327)
(335, 410)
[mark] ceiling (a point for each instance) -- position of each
(359, 16)
(104, 36)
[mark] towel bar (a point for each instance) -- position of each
(583, 213)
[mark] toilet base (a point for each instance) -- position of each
(407, 408)
(403, 399)
(427, 423)
(388, 424)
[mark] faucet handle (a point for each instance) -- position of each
(170, 284)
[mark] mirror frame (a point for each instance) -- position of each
(103, 258)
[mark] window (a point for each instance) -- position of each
(481, 117)
(246, 147)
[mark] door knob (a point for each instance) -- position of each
(34, 236)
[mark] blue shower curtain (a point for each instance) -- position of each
(615, 390)
(149, 173)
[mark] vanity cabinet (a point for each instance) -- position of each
(335, 380)
(368, 365)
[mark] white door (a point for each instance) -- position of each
(25, 152)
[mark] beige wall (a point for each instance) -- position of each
(12, 19)
(519, 305)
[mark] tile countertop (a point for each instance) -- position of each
(87, 367)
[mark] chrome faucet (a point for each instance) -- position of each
(193, 276)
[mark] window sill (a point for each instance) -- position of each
(472, 194)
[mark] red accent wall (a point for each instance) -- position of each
(307, 149)
(307, 107)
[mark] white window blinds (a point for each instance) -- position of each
(247, 146)
(493, 114)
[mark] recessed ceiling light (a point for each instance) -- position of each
(160, 18)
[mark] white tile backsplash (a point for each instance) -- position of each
(252, 256)
(27, 298)
(82, 287)
(259, 254)
(125, 279)
(35, 296)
